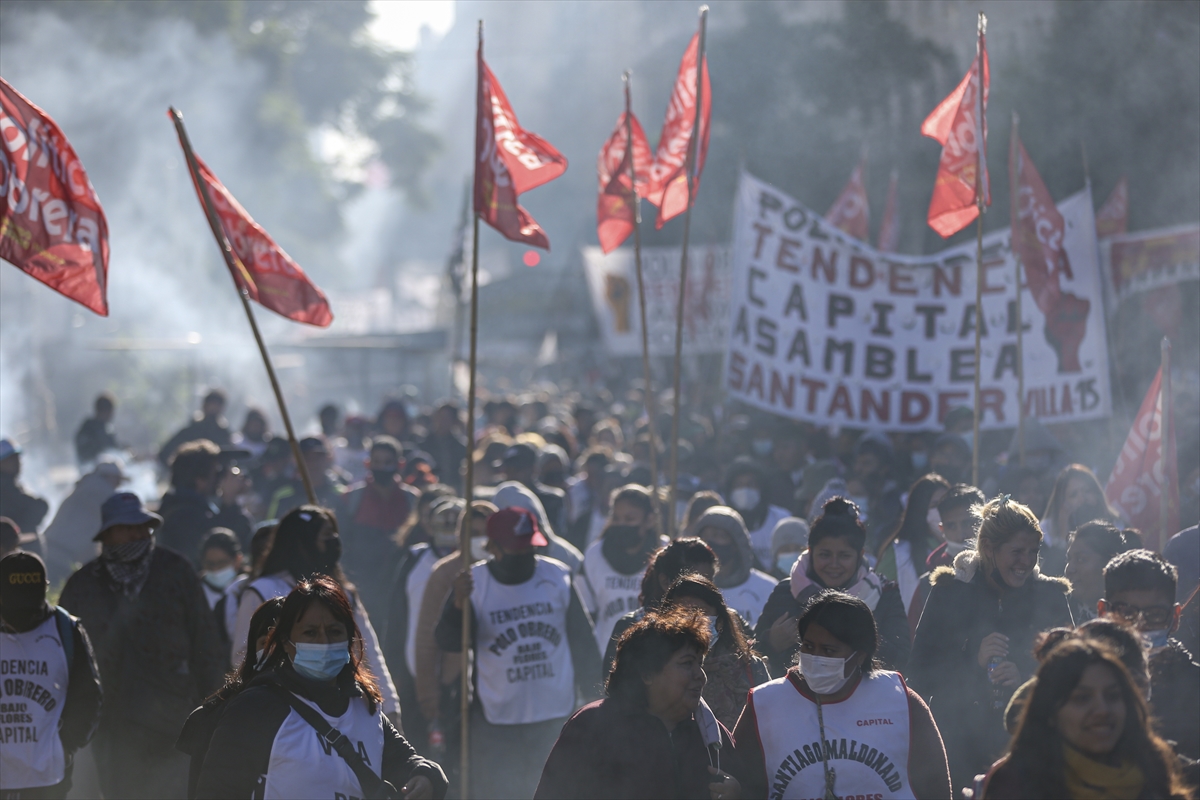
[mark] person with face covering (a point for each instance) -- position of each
(512, 494)
(157, 647)
(974, 644)
(788, 541)
(745, 588)
(533, 650)
(613, 565)
(311, 722)
(901, 556)
(36, 757)
(1091, 546)
(306, 543)
(1085, 733)
(834, 560)
(744, 490)
(877, 736)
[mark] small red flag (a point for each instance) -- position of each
(1113, 216)
(668, 187)
(889, 228)
(51, 224)
(268, 274)
(959, 124)
(615, 205)
(850, 213)
(509, 160)
(1137, 481)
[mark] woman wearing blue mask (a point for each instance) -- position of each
(311, 724)
(837, 725)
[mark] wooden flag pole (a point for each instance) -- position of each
(981, 205)
(1166, 429)
(1013, 175)
(648, 399)
(693, 144)
(235, 266)
(464, 539)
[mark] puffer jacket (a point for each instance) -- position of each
(962, 609)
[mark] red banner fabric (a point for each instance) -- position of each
(1138, 480)
(269, 275)
(509, 160)
(850, 213)
(668, 187)
(889, 227)
(959, 124)
(615, 205)
(1113, 216)
(51, 224)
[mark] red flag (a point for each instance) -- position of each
(615, 213)
(1137, 481)
(850, 213)
(268, 274)
(51, 224)
(668, 187)
(959, 124)
(1037, 239)
(889, 228)
(1113, 216)
(509, 160)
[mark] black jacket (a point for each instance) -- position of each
(93, 438)
(1175, 697)
(240, 749)
(20, 506)
(215, 429)
(187, 516)
(158, 653)
(894, 638)
(961, 610)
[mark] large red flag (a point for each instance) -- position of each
(51, 224)
(1137, 482)
(959, 124)
(850, 213)
(509, 160)
(615, 205)
(1113, 216)
(268, 274)
(668, 187)
(889, 227)
(1037, 239)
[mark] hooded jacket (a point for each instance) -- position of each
(69, 536)
(745, 588)
(962, 609)
(512, 494)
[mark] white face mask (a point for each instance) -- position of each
(745, 498)
(934, 520)
(822, 674)
(713, 633)
(479, 548)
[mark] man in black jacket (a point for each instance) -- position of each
(188, 508)
(59, 700)
(23, 508)
(208, 424)
(157, 648)
(95, 434)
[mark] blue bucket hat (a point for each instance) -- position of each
(125, 508)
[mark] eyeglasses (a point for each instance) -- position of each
(1153, 617)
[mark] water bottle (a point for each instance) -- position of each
(998, 699)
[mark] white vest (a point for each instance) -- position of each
(522, 658)
(418, 578)
(749, 596)
(33, 688)
(867, 734)
(609, 594)
(304, 766)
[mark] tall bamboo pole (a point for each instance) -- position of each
(1014, 173)
(235, 266)
(693, 144)
(1166, 428)
(647, 375)
(980, 202)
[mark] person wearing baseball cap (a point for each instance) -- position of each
(55, 711)
(534, 648)
(157, 647)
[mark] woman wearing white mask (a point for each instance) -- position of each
(312, 723)
(839, 726)
(744, 491)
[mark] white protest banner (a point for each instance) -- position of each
(612, 280)
(825, 328)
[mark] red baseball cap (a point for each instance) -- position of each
(515, 529)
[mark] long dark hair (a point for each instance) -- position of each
(677, 558)
(732, 638)
(1035, 753)
(1058, 494)
(913, 526)
(266, 617)
(849, 620)
(321, 589)
(294, 546)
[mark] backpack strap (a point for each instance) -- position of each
(370, 783)
(66, 633)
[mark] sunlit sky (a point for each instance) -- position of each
(398, 23)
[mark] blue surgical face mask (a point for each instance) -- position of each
(221, 579)
(920, 460)
(785, 561)
(321, 662)
(713, 633)
(1157, 639)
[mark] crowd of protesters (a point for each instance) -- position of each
(833, 614)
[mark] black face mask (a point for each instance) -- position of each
(332, 555)
(623, 537)
(513, 568)
(25, 619)
(552, 478)
(383, 476)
